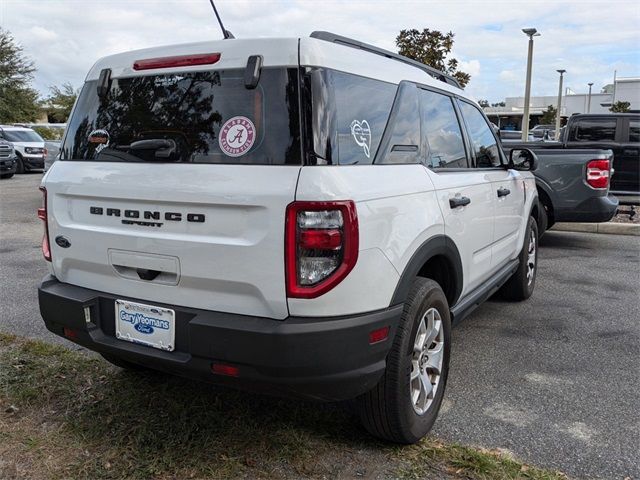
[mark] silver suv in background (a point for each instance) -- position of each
(539, 131)
(28, 145)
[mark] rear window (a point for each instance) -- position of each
(596, 130)
(193, 117)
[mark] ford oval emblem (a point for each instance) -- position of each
(63, 242)
(147, 329)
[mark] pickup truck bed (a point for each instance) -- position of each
(562, 186)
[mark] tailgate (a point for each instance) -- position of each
(203, 236)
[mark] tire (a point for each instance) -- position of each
(543, 219)
(520, 286)
(20, 166)
(388, 411)
(6, 175)
(546, 209)
(124, 364)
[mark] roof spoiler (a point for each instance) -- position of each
(349, 42)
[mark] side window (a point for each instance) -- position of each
(634, 131)
(483, 141)
(441, 128)
(595, 130)
(403, 144)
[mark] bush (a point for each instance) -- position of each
(49, 133)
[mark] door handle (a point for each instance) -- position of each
(459, 202)
(503, 192)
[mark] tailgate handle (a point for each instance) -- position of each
(148, 267)
(146, 274)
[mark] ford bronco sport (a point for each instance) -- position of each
(305, 217)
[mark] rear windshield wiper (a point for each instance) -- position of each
(163, 148)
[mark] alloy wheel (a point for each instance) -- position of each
(426, 361)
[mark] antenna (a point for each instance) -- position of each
(225, 33)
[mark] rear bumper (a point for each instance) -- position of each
(7, 165)
(319, 358)
(33, 161)
(595, 209)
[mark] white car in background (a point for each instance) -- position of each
(28, 145)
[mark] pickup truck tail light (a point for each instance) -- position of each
(321, 246)
(42, 215)
(598, 173)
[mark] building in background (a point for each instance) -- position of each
(509, 117)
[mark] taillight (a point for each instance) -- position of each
(177, 61)
(321, 246)
(598, 173)
(42, 215)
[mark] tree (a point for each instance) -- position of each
(499, 104)
(60, 102)
(432, 48)
(620, 107)
(483, 103)
(549, 116)
(18, 101)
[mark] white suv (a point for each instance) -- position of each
(305, 217)
(28, 145)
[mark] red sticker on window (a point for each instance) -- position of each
(237, 136)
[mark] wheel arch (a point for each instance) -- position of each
(439, 259)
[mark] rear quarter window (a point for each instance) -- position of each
(348, 116)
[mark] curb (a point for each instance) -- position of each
(607, 227)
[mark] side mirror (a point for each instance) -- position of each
(523, 159)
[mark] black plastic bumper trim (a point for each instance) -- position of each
(320, 358)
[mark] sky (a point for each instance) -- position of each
(590, 39)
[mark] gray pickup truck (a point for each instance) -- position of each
(618, 132)
(573, 185)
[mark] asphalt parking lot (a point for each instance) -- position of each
(555, 380)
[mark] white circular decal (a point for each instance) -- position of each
(237, 136)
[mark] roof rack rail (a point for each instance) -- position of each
(349, 42)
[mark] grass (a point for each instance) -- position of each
(69, 415)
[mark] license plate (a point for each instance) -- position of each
(146, 325)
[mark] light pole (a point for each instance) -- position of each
(530, 32)
(589, 101)
(561, 72)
